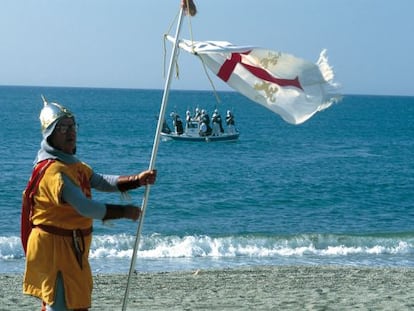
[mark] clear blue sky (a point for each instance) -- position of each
(119, 43)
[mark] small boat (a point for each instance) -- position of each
(198, 138)
(195, 132)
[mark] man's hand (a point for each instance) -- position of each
(147, 177)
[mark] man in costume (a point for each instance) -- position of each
(58, 212)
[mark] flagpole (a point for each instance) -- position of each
(154, 154)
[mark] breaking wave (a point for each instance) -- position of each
(190, 246)
(170, 253)
(253, 246)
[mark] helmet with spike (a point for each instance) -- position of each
(51, 113)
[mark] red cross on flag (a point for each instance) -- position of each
(292, 87)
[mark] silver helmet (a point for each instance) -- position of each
(52, 112)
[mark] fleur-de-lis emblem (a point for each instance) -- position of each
(271, 60)
(269, 89)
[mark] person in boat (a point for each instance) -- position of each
(217, 123)
(58, 212)
(205, 117)
(197, 115)
(177, 123)
(188, 119)
(230, 122)
(205, 128)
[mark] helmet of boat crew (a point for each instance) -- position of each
(50, 115)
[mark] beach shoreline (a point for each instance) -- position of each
(248, 288)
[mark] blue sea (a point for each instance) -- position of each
(336, 190)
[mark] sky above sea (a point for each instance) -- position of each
(120, 44)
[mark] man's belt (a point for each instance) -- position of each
(63, 232)
(77, 238)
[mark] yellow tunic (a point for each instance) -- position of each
(48, 254)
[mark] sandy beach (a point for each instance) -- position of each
(258, 288)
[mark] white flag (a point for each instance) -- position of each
(289, 86)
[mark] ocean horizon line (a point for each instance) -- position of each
(175, 89)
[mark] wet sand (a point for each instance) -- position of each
(258, 288)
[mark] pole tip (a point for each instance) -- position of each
(189, 7)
